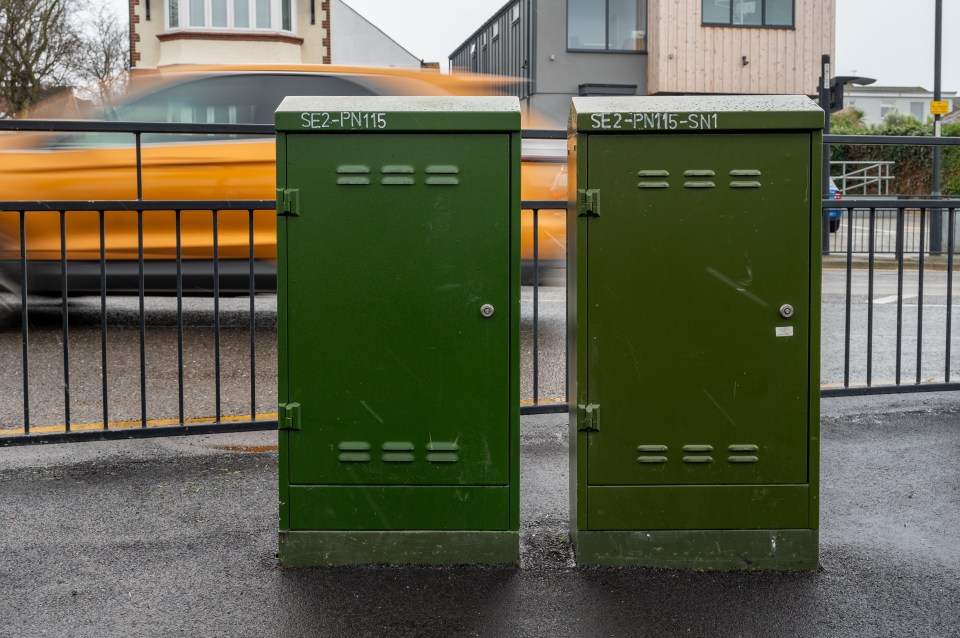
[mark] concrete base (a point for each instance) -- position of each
(315, 548)
(720, 550)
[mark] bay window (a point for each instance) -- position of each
(265, 15)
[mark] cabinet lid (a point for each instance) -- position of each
(388, 114)
(692, 113)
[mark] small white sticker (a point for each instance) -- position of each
(785, 331)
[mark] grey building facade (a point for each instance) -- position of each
(601, 52)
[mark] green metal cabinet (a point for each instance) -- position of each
(693, 270)
(398, 324)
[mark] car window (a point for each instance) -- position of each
(225, 99)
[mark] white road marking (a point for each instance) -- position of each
(891, 299)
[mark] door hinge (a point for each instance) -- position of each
(288, 202)
(588, 202)
(288, 416)
(588, 417)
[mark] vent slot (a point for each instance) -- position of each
(699, 173)
(353, 175)
(698, 459)
(397, 452)
(397, 175)
(353, 446)
(442, 452)
(397, 457)
(652, 449)
(745, 172)
(653, 174)
(743, 459)
(442, 181)
(651, 459)
(653, 185)
(745, 184)
(397, 446)
(442, 175)
(698, 448)
(353, 452)
(698, 185)
(397, 181)
(442, 446)
(442, 169)
(742, 447)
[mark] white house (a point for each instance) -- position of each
(166, 32)
(877, 102)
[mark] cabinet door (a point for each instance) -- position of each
(700, 241)
(400, 242)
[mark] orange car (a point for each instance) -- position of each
(102, 166)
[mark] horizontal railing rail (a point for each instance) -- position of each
(133, 128)
(891, 140)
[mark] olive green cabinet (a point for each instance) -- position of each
(694, 289)
(398, 314)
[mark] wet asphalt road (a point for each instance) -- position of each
(178, 537)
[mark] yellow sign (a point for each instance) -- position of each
(939, 108)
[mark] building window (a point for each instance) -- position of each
(516, 13)
(886, 108)
(268, 15)
(748, 13)
(607, 25)
(496, 31)
(916, 110)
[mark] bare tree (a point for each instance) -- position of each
(104, 57)
(39, 44)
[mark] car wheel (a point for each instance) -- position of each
(834, 225)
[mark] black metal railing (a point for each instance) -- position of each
(881, 245)
(902, 259)
(104, 429)
(104, 278)
(877, 239)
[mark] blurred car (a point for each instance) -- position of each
(102, 166)
(835, 214)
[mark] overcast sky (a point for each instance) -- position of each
(890, 40)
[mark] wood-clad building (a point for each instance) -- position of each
(688, 55)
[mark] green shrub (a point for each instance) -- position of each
(913, 167)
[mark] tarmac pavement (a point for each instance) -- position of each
(177, 536)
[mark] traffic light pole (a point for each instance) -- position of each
(936, 217)
(825, 170)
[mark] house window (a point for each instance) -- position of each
(271, 15)
(886, 108)
(607, 25)
(748, 13)
(916, 110)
